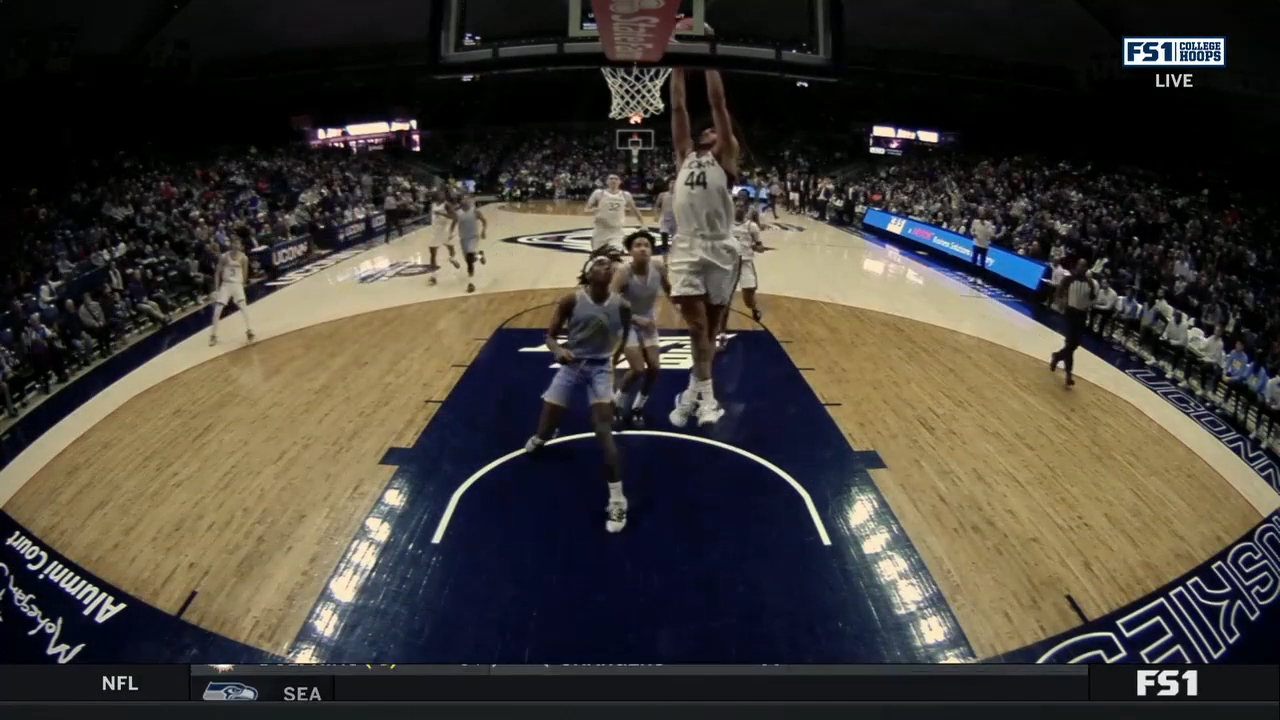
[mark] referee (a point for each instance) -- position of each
(1080, 291)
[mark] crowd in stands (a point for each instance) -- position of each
(571, 164)
(1189, 275)
(87, 267)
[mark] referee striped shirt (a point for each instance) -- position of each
(1080, 292)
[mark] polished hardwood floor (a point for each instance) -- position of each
(245, 477)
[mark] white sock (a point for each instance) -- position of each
(693, 381)
(615, 491)
(639, 402)
(704, 390)
(618, 398)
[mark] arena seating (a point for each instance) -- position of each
(89, 269)
(1183, 260)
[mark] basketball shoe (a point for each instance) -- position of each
(617, 512)
(686, 405)
(709, 411)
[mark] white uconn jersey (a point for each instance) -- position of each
(440, 220)
(233, 270)
(611, 207)
(703, 200)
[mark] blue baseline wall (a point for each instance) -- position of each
(1010, 266)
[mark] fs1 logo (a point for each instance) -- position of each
(1175, 52)
(1172, 683)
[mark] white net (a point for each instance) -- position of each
(636, 90)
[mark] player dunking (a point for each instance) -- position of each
(610, 206)
(233, 270)
(441, 225)
(472, 227)
(638, 281)
(703, 260)
(597, 319)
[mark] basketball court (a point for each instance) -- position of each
(898, 478)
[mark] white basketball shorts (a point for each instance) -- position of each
(703, 267)
(439, 236)
(469, 245)
(604, 237)
(747, 275)
(228, 292)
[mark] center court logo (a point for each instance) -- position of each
(579, 241)
(675, 352)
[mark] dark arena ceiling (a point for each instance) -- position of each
(388, 52)
(1061, 33)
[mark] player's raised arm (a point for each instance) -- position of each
(681, 134)
(726, 147)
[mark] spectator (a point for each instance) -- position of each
(1173, 343)
(1104, 308)
(115, 309)
(45, 352)
(1152, 327)
(142, 299)
(1255, 389)
(8, 369)
(983, 231)
(1057, 273)
(72, 331)
(94, 320)
(1131, 313)
(1234, 373)
(1208, 352)
(115, 278)
(47, 292)
(1271, 410)
(196, 275)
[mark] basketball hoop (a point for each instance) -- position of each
(635, 90)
